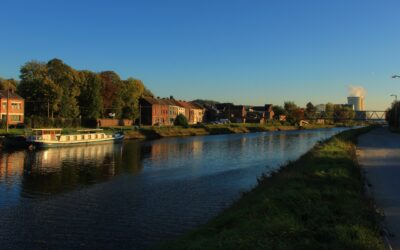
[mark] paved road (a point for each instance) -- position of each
(379, 154)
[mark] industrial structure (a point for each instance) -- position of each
(357, 102)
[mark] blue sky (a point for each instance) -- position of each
(248, 52)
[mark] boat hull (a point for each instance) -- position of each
(51, 144)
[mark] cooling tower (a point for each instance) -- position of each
(357, 102)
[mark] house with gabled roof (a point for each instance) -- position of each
(193, 112)
(154, 111)
(15, 106)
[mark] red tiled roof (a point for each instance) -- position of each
(3, 94)
(189, 105)
(162, 101)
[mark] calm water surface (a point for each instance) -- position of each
(135, 194)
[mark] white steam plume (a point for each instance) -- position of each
(356, 91)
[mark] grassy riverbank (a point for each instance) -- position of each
(235, 128)
(153, 132)
(316, 202)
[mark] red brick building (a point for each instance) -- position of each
(154, 111)
(163, 112)
(16, 107)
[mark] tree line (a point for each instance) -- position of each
(295, 113)
(56, 90)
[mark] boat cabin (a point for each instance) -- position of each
(54, 134)
(52, 137)
(46, 133)
(86, 135)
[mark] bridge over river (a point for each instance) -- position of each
(346, 115)
(136, 194)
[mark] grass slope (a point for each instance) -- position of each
(316, 202)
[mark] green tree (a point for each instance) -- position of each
(278, 111)
(58, 89)
(41, 93)
(290, 106)
(329, 110)
(294, 113)
(10, 84)
(311, 111)
(181, 120)
(393, 114)
(343, 113)
(69, 81)
(111, 93)
(147, 92)
(131, 91)
(90, 100)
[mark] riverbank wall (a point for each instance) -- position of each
(316, 202)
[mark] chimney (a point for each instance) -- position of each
(171, 97)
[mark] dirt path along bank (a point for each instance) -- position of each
(379, 155)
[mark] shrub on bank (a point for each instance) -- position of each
(181, 120)
(393, 115)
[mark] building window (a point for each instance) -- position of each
(15, 105)
(4, 104)
(16, 118)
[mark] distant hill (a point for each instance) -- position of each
(203, 102)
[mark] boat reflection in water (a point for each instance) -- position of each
(56, 170)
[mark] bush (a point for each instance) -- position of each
(45, 122)
(392, 115)
(89, 122)
(181, 120)
(27, 122)
(20, 125)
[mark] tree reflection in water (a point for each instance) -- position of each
(56, 170)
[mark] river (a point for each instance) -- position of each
(134, 194)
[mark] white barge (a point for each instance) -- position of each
(52, 137)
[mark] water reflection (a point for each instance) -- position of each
(57, 170)
(11, 174)
(134, 194)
